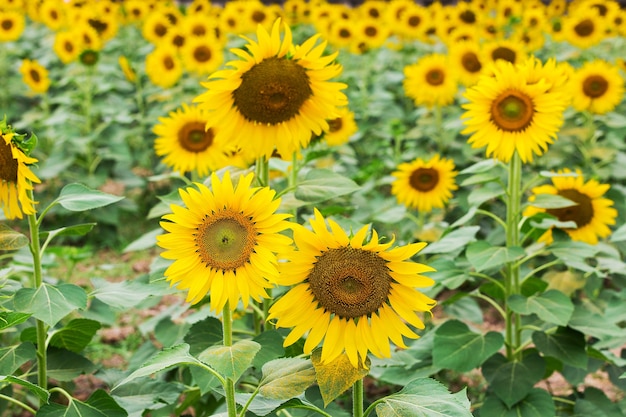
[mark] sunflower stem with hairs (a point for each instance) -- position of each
(357, 398)
(229, 385)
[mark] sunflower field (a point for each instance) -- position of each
(312, 208)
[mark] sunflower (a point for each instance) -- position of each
(584, 28)
(35, 76)
(186, 144)
(424, 185)
(370, 33)
(431, 81)
(224, 242)
(355, 296)
(52, 13)
(201, 55)
(591, 212)
(163, 66)
(508, 114)
(504, 50)
(465, 56)
(16, 178)
(341, 128)
(341, 33)
(414, 22)
(277, 96)
(67, 46)
(155, 27)
(597, 87)
(127, 69)
(90, 39)
(135, 11)
(11, 25)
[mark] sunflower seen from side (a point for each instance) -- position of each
(424, 184)
(276, 96)
(508, 114)
(591, 212)
(597, 87)
(352, 296)
(224, 242)
(431, 81)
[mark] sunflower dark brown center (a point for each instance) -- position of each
(68, 46)
(160, 30)
(595, 86)
(344, 33)
(199, 30)
(8, 164)
(424, 179)
(470, 62)
(512, 111)
(98, 25)
(414, 21)
(225, 240)
(335, 125)
(435, 76)
(7, 24)
(194, 138)
(581, 213)
(272, 91)
(168, 63)
(259, 16)
(34, 75)
(202, 53)
(350, 282)
(178, 41)
(584, 28)
(468, 16)
(505, 53)
(371, 31)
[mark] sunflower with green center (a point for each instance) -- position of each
(509, 113)
(224, 242)
(355, 296)
(424, 185)
(431, 81)
(597, 87)
(35, 76)
(16, 178)
(591, 212)
(187, 144)
(276, 96)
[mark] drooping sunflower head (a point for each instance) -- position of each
(224, 242)
(431, 81)
(354, 295)
(276, 96)
(424, 185)
(509, 112)
(16, 178)
(35, 76)
(590, 211)
(597, 87)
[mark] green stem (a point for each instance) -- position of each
(229, 385)
(493, 216)
(490, 301)
(357, 398)
(512, 282)
(439, 128)
(312, 408)
(19, 403)
(262, 169)
(35, 249)
(293, 181)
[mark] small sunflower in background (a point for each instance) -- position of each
(424, 184)
(224, 242)
(135, 11)
(431, 81)
(16, 178)
(277, 96)
(67, 46)
(202, 55)
(341, 128)
(466, 57)
(155, 27)
(507, 113)
(370, 34)
(35, 76)
(584, 28)
(185, 143)
(597, 87)
(414, 22)
(591, 212)
(11, 25)
(163, 66)
(350, 295)
(502, 50)
(53, 14)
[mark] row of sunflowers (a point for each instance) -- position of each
(346, 196)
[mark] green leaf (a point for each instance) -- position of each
(49, 303)
(454, 240)
(124, 294)
(483, 256)
(272, 348)
(322, 184)
(167, 358)
(12, 357)
(204, 334)
(286, 378)
(11, 239)
(99, 404)
(619, 235)
(336, 376)
(75, 335)
(488, 191)
(75, 230)
(12, 318)
(551, 201)
(137, 396)
(486, 165)
(566, 345)
(593, 324)
(462, 350)
(537, 403)
(145, 241)
(552, 306)
(41, 393)
(77, 197)
(574, 253)
(65, 365)
(231, 361)
(512, 381)
(425, 397)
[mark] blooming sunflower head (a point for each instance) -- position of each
(597, 87)
(511, 111)
(276, 96)
(424, 185)
(590, 211)
(224, 241)
(35, 76)
(341, 128)
(16, 178)
(354, 295)
(431, 81)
